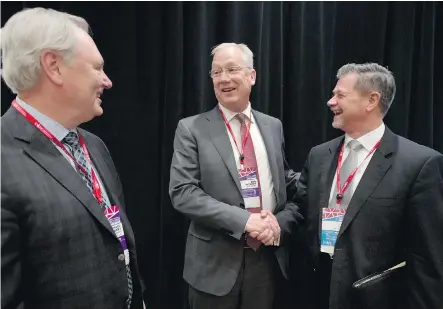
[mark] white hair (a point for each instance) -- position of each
(27, 34)
(247, 53)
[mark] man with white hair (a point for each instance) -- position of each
(66, 241)
(229, 176)
(372, 200)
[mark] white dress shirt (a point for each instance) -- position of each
(264, 170)
(368, 141)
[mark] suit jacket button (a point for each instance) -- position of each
(121, 257)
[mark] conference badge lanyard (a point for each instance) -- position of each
(332, 218)
(112, 213)
(248, 176)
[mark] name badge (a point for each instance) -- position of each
(249, 187)
(113, 215)
(332, 219)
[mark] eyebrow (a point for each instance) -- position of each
(339, 91)
(227, 65)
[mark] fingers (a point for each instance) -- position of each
(264, 227)
(265, 234)
(274, 225)
(276, 230)
(254, 234)
(264, 214)
(267, 237)
(270, 242)
(256, 224)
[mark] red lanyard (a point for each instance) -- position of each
(341, 190)
(242, 157)
(97, 190)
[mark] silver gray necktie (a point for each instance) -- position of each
(347, 168)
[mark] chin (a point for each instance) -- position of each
(98, 110)
(230, 100)
(337, 125)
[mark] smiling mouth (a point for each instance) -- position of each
(337, 112)
(228, 89)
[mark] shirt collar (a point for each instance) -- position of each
(51, 125)
(369, 139)
(230, 114)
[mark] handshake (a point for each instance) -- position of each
(264, 227)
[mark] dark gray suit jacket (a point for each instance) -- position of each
(204, 186)
(395, 215)
(58, 250)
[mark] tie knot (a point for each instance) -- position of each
(241, 117)
(71, 139)
(355, 145)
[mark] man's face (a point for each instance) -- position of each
(232, 79)
(348, 104)
(84, 80)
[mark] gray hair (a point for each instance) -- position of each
(27, 34)
(373, 77)
(247, 53)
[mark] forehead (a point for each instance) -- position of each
(346, 83)
(86, 48)
(228, 56)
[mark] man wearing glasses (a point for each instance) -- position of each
(229, 176)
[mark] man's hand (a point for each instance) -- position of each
(256, 224)
(266, 214)
(275, 231)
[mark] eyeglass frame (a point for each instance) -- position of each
(237, 70)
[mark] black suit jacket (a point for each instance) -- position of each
(396, 214)
(57, 249)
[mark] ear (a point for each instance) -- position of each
(50, 63)
(374, 101)
(253, 76)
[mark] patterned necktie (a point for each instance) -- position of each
(347, 168)
(72, 141)
(250, 162)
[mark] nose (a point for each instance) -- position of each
(224, 77)
(107, 83)
(332, 102)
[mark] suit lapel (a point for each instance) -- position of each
(266, 133)
(220, 139)
(378, 166)
(44, 153)
(101, 167)
(109, 184)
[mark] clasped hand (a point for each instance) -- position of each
(264, 227)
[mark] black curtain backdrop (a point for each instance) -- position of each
(157, 55)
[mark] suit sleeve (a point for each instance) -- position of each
(11, 269)
(290, 216)
(187, 195)
(425, 230)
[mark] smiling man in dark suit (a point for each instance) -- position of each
(66, 241)
(372, 200)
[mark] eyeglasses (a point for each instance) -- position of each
(231, 71)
